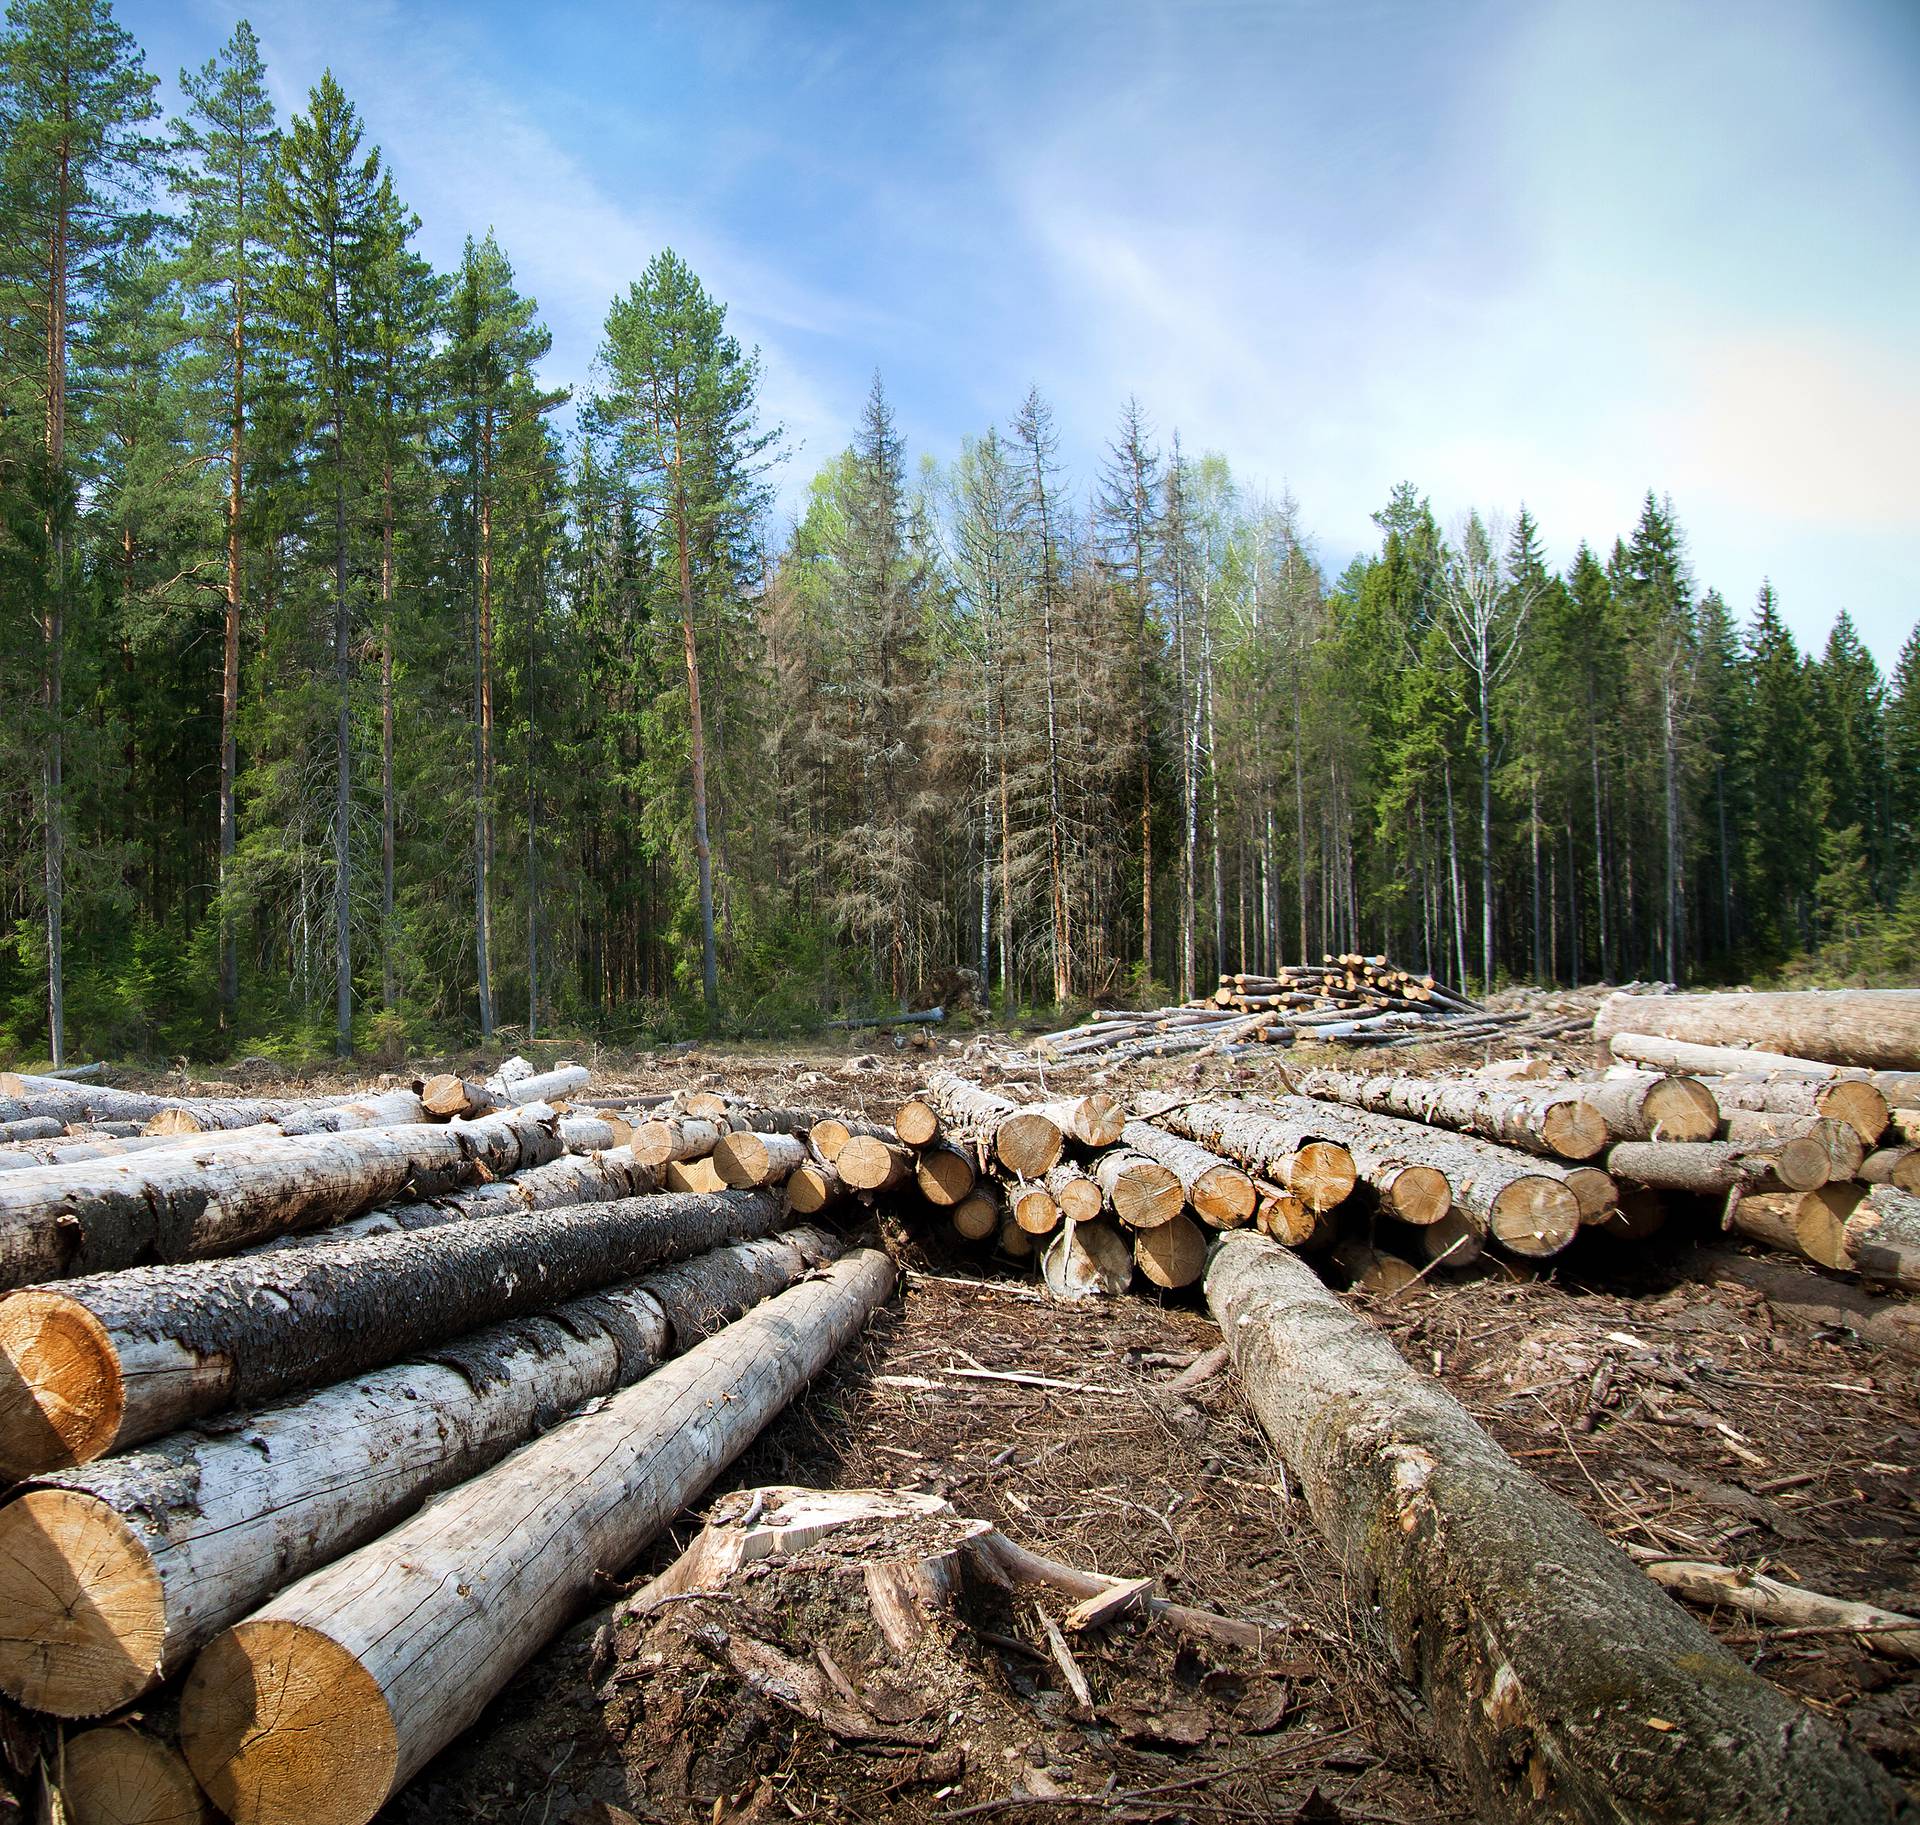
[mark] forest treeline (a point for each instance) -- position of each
(357, 688)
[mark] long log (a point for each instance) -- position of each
(31, 1128)
(92, 1144)
(1539, 1118)
(1878, 1028)
(184, 1204)
(448, 1094)
(327, 1700)
(1094, 1120)
(1024, 1140)
(97, 1102)
(1291, 1150)
(1221, 1193)
(1564, 1683)
(543, 1086)
(387, 1109)
(1812, 1224)
(117, 1573)
(1713, 1062)
(97, 1365)
(663, 1141)
(1709, 1168)
(1858, 1104)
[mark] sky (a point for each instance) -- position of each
(1550, 253)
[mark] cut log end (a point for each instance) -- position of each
(976, 1217)
(743, 1161)
(86, 1618)
(829, 1137)
(1535, 1216)
(945, 1176)
(121, 1776)
(1034, 1209)
(282, 1726)
(1682, 1109)
(917, 1123)
(1859, 1105)
(1573, 1129)
(1171, 1254)
(812, 1187)
(61, 1392)
(1322, 1175)
(1419, 1195)
(1594, 1191)
(1225, 1197)
(1028, 1143)
(1454, 1241)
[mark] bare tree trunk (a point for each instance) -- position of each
(1486, 835)
(1599, 843)
(483, 723)
(386, 737)
(343, 736)
(54, 623)
(703, 854)
(1300, 822)
(230, 655)
(1453, 871)
(1533, 828)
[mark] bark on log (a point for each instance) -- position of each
(1878, 1028)
(1087, 1261)
(1859, 1105)
(1171, 1254)
(327, 1700)
(1538, 1118)
(98, 1365)
(121, 1774)
(184, 1204)
(1565, 1684)
(1074, 1192)
(1291, 1149)
(447, 1095)
(746, 1159)
(117, 1573)
(980, 1213)
(1646, 1106)
(1811, 1224)
(32, 1128)
(1094, 1120)
(544, 1086)
(832, 1132)
(388, 1109)
(944, 1174)
(95, 1145)
(1023, 1140)
(1739, 1061)
(1138, 1190)
(1220, 1192)
(871, 1164)
(1709, 1168)
(97, 1102)
(588, 1134)
(1883, 1238)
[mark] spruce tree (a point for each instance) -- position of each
(1783, 775)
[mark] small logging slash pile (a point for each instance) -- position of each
(1346, 1000)
(317, 1419)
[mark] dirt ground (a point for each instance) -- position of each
(1688, 1395)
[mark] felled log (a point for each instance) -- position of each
(328, 1699)
(944, 1174)
(1540, 1118)
(1564, 1683)
(1171, 1254)
(183, 1204)
(979, 1215)
(1024, 1140)
(832, 1132)
(692, 1178)
(31, 1128)
(1094, 1120)
(387, 1109)
(118, 1572)
(1373, 1270)
(1221, 1193)
(660, 1141)
(122, 1774)
(448, 1094)
(1087, 1261)
(812, 1186)
(1710, 1168)
(1138, 1190)
(97, 1365)
(589, 1133)
(1879, 1028)
(745, 1159)
(1855, 1102)
(72, 1102)
(1807, 1223)
(868, 1163)
(1845, 1152)
(543, 1086)
(1455, 1241)
(1032, 1206)
(1291, 1149)
(1883, 1238)
(1895, 1166)
(1076, 1194)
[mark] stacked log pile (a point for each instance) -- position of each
(218, 1430)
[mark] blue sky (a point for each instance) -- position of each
(1551, 252)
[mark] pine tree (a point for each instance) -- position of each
(680, 393)
(75, 165)
(1848, 701)
(324, 212)
(223, 158)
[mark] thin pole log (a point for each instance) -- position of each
(327, 1700)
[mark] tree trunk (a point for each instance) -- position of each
(1220, 1192)
(182, 1205)
(1878, 1028)
(387, 818)
(1811, 1224)
(1087, 1261)
(545, 1086)
(1074, 1194)
(659, 1143)
(397, 1648)
(1541, 1651)
(103, 1363)
(1290, 1148)
(118, 1573)
(1902, 1087)
(1845, 1151)
(1536, 1117)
